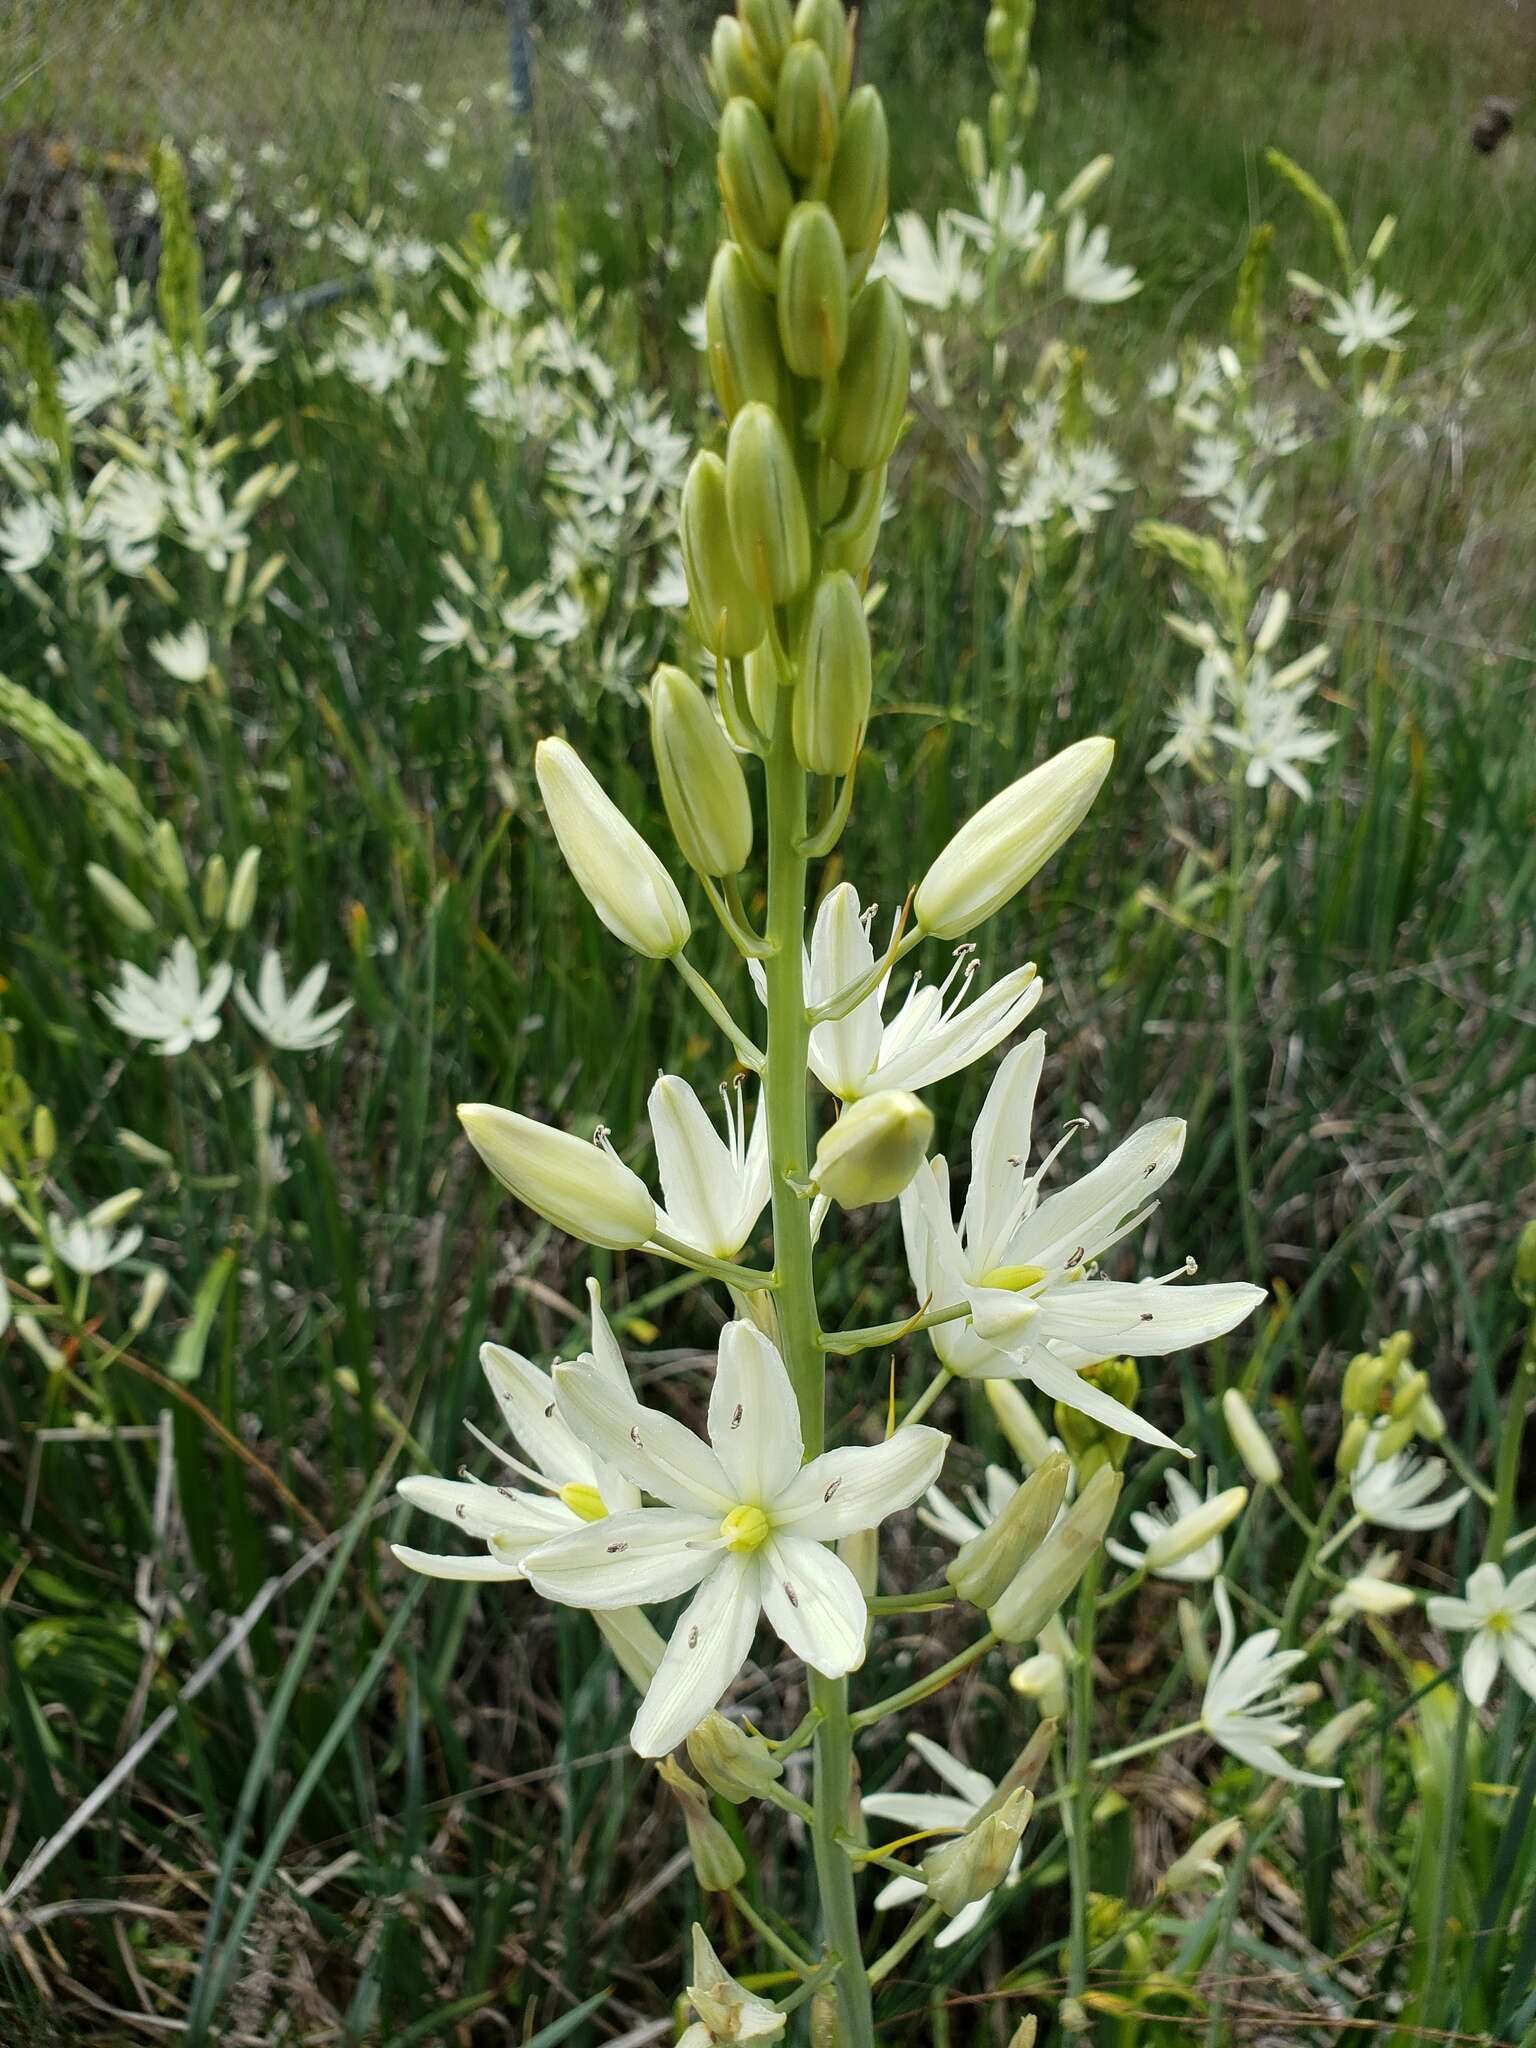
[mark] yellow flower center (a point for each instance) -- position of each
(745, 1529)
(583, 1500)
(1014, 1279)
(1499, 1622)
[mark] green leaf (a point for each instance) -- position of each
(187, 1359)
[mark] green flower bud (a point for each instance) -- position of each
(45, 1136)
(872, 397)
(1335, 1733)
(242, 891)
(215, 888)
(1023, 2035)
(963, 1871)
(1392, 1437)
(716, 1859)
(762, 687)
(752, 181)
(1196, 1655)
(732, 1761)
(999, 123)
(702, 786)
(768, 526)
(614, 868)
(1252, 1445)
(168, 856)
(982, 1569)
(831, 490)
(1055, 1568)
(823, 22)
(813, 292)
(971, 148)
(1364, 1377)
(581, 1188)
(740, 336)
(1410, 1390)
(151, 1294)
(849, 541)
(805, 110)
(873, 1150)
(734, 67)
(1193, 1531)
(997, 37)
(1084, 185)
(1429, 1419)
(120, 899)
(832, 702)
(727, 615)
(769, 30)
(1351, 1445)
(1010, 839)
(859, 190)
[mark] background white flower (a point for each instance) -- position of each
(172, 1009)
(1502, 1618)
(1396, 1492)
(292, 1023)
(1247, 1707)
(956, 1809)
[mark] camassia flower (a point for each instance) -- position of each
(742, 1518)
(1021, 1264)
(573, 1486)
(713, 1189)
(1247, 1707)
(88, 1244)
(1502, 1619)
(292, 1023)
(955, 1809)
(172, 1009)
(935, 1032)
(1396, 1492)
(1156, 1527)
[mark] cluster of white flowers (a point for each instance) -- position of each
(178, 1006)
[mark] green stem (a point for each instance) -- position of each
(905, 1942)
(1080, 1804)
(1507, 1474)
(1237, 1070)
(785, 1088)
(924, 1688)
(1296, 1599)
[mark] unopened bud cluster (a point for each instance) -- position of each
(1386, 1401)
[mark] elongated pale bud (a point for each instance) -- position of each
(1042, 1678)
(983, 1568)
(1192, 1638)
(741, 336)
(963, 1871)
(45, 1142)
(1351, 1445)
(1019, 1423)
(241, 906)
(831, 706)
(1364, 1377)
(1249, 1440)
(768, 526)
(728, 615)
(1410, 1390)
(1055, 1568)
(636, 1644)
(1023, 2035)
(716, 1859)
(769, 29)
(734, 65)
(752, 181)
(823, 22)
(1084, 185)
(215, 888)
(1333, 1735)
(151, 1294)
(872, 395)
(168, 857)
(813, 292)
(1198, 1864)
(1388, 1438)
(108, 1214)
(762, 687)
(579, 1187)
(1009, 840)
(859, 190)
(874, 1148)
(1193, 1531)
(120, 899)
(849, 541)
(702, 786)
(971, 149)
(731, 1761)
(727, 2010)
(805, 109)
(614, 867)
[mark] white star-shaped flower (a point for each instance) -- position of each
(1396, 1492)
(1502, 1618)
(1086, 271)
(292, 1023)
(933, 1034)
(1022, 1264)
(713, 1189)
(1247, 1707)
(172, 1009)
(1368, 318)
(742, 1519)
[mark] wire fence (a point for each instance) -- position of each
(355, 93)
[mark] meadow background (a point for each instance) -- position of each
(383, 1818)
